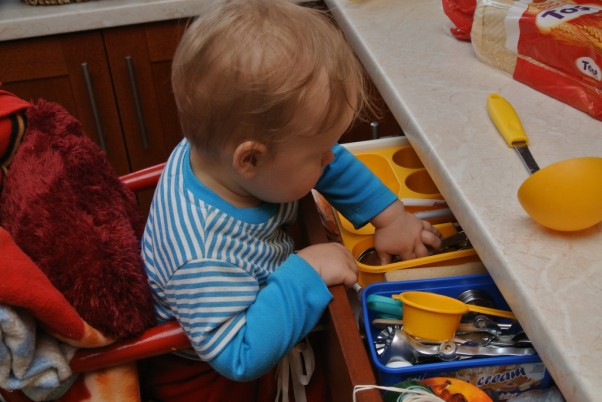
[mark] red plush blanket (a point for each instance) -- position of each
(65, 207)
(69, 240)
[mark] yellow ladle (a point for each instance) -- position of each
(565, 195)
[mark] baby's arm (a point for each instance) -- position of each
(362, 197)
(284, 312)
(243, 331)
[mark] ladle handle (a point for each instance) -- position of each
(506, 120)
(491, 311)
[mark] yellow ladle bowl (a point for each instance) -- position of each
(565, 195)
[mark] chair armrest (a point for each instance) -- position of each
(143, 179)
(164, 338)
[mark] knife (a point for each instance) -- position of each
(507, 122)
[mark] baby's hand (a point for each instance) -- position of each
(333, 262)
(400, 233)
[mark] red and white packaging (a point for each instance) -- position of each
(552, 46)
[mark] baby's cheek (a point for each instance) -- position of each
(314, 177)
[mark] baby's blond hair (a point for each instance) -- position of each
(242, 71)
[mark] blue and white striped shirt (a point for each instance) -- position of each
(207, 262)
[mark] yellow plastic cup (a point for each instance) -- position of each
(436, 317)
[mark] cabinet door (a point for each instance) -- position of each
(71, 70)
(140, 61)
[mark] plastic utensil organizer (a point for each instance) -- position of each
(502, 377)
(395, 162)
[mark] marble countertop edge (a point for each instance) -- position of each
(19, 20)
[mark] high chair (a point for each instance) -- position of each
(337, 340)
(161, 339)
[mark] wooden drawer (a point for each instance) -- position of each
(346, 358)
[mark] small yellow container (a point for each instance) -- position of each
(430, 316)
(436, 317)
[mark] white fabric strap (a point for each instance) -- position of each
(283, 370)
(298, 364)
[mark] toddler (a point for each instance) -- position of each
(264, 89)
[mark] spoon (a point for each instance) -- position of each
(565, 195)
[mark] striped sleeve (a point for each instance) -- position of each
(285, 310)
(209, 299)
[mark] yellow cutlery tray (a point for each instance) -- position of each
(400, 169)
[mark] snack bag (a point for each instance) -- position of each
(444, 388)
(552, 46)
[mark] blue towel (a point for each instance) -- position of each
(31, 360)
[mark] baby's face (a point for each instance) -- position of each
(296, 167)
(297, 164)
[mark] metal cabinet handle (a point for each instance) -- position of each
(375, 129)
(90, 88)
(134, 87)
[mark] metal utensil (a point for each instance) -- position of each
(492, 333)
(395, 344)
(481, 323)
(370, 257)
(392, 348)
(477, 297)
(510, 127)
(443, 213)
(455, 242)
(487, 339)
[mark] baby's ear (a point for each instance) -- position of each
(248, 156)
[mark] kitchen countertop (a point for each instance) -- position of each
(437, 90)
(19, 20)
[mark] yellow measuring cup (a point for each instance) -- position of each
(436, 317)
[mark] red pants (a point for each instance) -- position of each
(169, 378)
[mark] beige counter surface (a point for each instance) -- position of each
(19, 20)
(437, 90)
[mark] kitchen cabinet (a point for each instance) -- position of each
(55, 68)
(116, 82)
